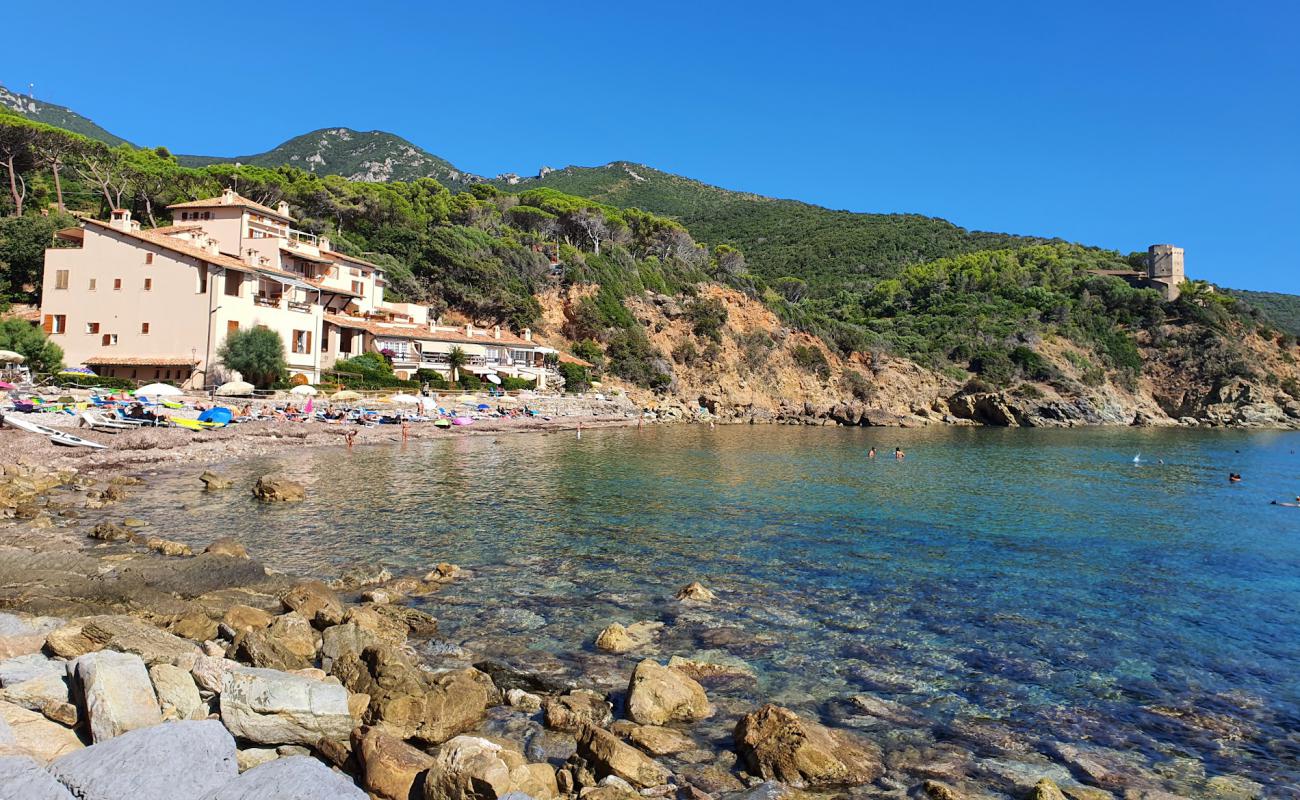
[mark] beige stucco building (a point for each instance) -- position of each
(156, 304)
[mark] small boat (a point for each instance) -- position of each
(53, 434)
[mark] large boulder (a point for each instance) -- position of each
(20, 636)
(213, 481)
(293, 778)
(390, 766)
(409, 702)
(316, 602)
(209, 672)
(472, 768)
(22, 778)
(115, 692)
(228, 548)
(338, 641)
(242, 619)
(277, 489)
(659, 694)
(696, 592)
(24, 668)
(165, 762)
(607, 755)
(38, 692)
(24, 732)
(616, 638)
(269, 707)
(130, 635)
(178, 696)
(774, 743)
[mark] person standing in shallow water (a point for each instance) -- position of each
(871, 453)
(899, 454)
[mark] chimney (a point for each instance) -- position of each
(212, 245)
(121, 219)
(250, 257)
(496, 331)
(528, 334)
(227, 197)
(283, 208)
(469, 329)
(324, 244)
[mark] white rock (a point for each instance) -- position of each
(48, 687)
(297, 778)
(24, 668)
(24, 732)
(21, 778)
(171, 761)
(525, 701)
(270, 707)
(210, 671)
(178, 697)
(256, 757)
(117, 693)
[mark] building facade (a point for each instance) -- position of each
(157, 303)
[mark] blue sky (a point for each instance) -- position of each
(1111, 123)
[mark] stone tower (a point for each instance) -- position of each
(1165, 269)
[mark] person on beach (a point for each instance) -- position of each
(349, 435)
(406, 429)
(871, 453)
(899, 454)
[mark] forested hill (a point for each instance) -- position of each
(58, 116)
(1283, 310)
(369, 156)
(829, 250)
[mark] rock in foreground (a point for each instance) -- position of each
(774, 743)
(659, 694)
(294, 778)
(165, 762)
(269, 707)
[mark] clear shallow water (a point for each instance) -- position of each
(1002, 585)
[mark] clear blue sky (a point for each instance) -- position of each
(1111, 123)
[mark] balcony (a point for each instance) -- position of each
(294, 305)
(266, 301)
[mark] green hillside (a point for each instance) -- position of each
(1283, 310)
(829, 250)
(369, 156)
(58, 116)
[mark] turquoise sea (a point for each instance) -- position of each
(1008, 591)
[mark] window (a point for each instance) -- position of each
(207, 215)
(56, 323)
(359, 288)
(185, 215)
(345, 343)
(233, 281)
(302, 341)
(117, 283)
(148, 258)
(92, 327)
(148, 284)
(61, 279)
(108, 340)
(92, 284)
(144, 327)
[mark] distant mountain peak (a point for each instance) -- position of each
(56, 115)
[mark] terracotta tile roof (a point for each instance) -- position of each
(320, 284)
(139, 361)
(305, 256)
(71, 234)
(239, 202)
(24, 312)
(175, 245)
(565, 358)
(334, 254)
(170, 229)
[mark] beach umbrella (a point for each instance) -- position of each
(346, 394)
(507, 401)
(235, 389)
(483, 407)
(11, 357)
(404, 399)
(493, 379)
(219, 414)
(466, 399)
(308, 391)
(6, 385)
(159, 390)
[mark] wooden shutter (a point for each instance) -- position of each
(48, 325)
(105, 339)
(308, 350)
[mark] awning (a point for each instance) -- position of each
(294, 282)
(305, 256)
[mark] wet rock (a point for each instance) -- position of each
(361, 576)
(178, 696)
(111, 532)
(619, 639)
(116, 693)
(164, 762)
(390, 766)
(22, 778)
(269, 707)
(443, 572)
(381, 596)
(696, 592)
(290, 643)
(276, 489)
(294, 778)
(774, 743)
(214, 482)
(659, 694)
(227, 548)
(1046, 789)
(506, 677)
(579, 707)
(243, 619)
(411, 703)
(382, 627)
(417, 622)
(316, 602)
(25, 732)
(936, 790)
(609, 756)
(168, 547)
(719, 668)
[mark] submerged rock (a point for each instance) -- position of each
(277, 489)
(213, 481)
(774, 743)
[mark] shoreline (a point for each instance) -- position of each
(129, 575)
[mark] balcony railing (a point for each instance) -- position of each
(294, 305)
(265, 301)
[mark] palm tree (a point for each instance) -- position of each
(456, 359)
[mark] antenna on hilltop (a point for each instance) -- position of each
(31, 90)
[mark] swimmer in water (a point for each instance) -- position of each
(899, 454)
(1234, 477)
(871, 453)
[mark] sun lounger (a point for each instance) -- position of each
(99, 423)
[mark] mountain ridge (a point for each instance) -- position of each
(56, 115)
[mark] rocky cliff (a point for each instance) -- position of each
(760, 370)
